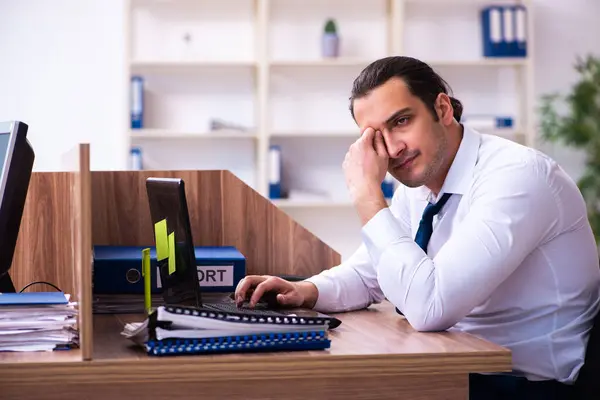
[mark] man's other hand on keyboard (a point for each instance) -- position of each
(289, 294)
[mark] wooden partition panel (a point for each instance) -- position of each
(81, 244)
(44, 251)
(272, 241)
(223, 211)
(54, 243)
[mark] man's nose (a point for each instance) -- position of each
(394, 147)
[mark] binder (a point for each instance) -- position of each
(137, 102)
(235, 321)
(508, 32)
(387, 186)
(504, 31)
(136, 158)
(520, 30)
(118, 269)
(491, 25)
(476, 121)
(274, 172)
(177, 330)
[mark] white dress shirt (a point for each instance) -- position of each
(512, 259)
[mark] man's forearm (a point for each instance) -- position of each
(368, 203)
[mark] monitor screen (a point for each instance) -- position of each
(7, 139)
(16, 163)
(4, 138)
(170, 219)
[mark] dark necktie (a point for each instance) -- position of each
(426, 225)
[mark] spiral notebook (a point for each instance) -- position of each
(176, 330)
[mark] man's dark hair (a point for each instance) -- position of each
(420, 78)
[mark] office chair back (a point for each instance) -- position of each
(588, 381)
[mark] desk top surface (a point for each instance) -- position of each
(375, 339)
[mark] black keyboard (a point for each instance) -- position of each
(259, 309)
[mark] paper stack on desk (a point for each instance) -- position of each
(173, 330)
(37, 321)
(121, 303)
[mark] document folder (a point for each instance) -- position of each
(175, 330)
(504, 31)
(33, 298)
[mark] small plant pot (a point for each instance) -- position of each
(330, 45)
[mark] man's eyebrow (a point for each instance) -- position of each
(397, 114)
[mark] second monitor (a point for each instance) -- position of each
(16, 163)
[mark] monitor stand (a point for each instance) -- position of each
(6, 284)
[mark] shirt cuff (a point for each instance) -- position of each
(381, 231)
(327, 297)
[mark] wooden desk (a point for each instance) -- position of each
(374, 354)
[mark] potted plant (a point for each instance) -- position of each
(330, 44)
(577, 124)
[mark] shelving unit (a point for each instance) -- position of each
(257, 64)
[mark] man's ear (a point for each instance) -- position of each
(443, 107)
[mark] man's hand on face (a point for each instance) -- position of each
(365, 166)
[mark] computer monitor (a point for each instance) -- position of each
(16, 163)
(167, 201)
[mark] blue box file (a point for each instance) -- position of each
(491, 32)
(520, 30)
(137, 102)
(274, 172)
(504, 31)
(487, 121)
(118, 269)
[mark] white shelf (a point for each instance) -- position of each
(258, 64)
(316, 203)
(182, 65)
(361, 63)
(507, 133)
(170, 134)
(291, 203)
(316, 134)
(466, 2)
(483, 62)
(511, 134)
(321, 63)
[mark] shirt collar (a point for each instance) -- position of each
(461, 171)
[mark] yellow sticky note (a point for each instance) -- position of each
(147, 282)
(171, 253)
(162, 244)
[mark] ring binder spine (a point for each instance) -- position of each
(314, 340)
(246, 318)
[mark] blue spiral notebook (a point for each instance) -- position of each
(290, 341)
(175, 330)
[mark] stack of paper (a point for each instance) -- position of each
(122, 303)
(172, 330)
(37, 321)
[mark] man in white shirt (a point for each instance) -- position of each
(484, 235)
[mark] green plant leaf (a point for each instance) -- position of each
(330, 26)
(573, 119)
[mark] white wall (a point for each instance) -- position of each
(564, 30)
(63, 72)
